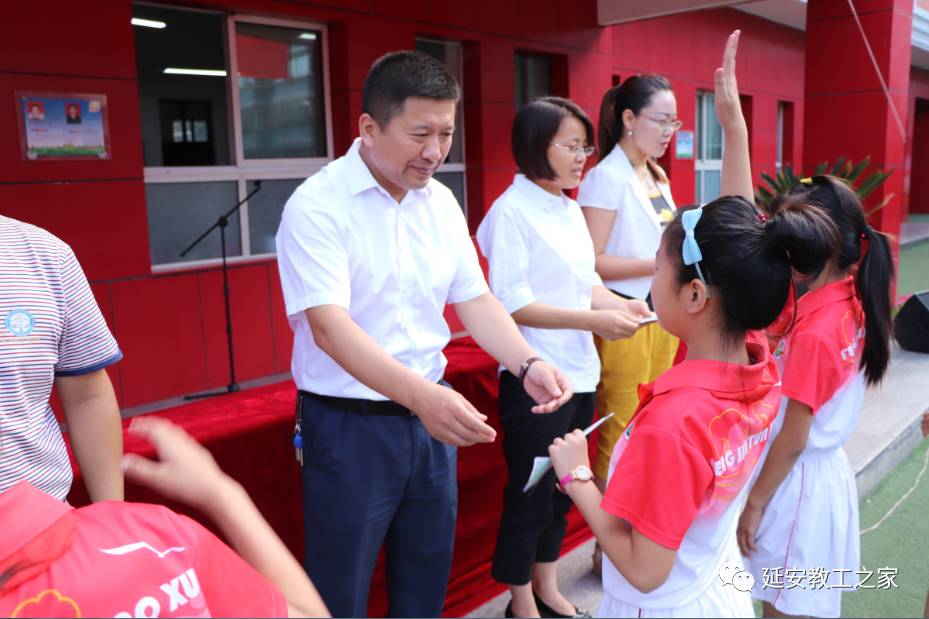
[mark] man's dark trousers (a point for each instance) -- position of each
(373, 480)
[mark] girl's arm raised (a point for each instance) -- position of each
(737, 171)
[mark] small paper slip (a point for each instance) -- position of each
(652, 318)
(542, 464)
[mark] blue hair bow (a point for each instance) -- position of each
(690, 252)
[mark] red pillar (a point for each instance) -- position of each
(847, 112)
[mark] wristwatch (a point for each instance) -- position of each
(524, 368)
(580, 473)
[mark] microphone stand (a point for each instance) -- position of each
(221, 223)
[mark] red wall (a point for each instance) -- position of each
(916, 186)
(171, 326)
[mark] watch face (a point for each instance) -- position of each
(583, 473)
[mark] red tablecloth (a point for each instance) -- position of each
(249, 434)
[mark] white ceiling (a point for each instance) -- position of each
(619, 11)
(788, 12)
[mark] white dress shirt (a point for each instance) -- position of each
(345, 241)
(539, 250)
(613, 185)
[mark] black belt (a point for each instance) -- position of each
(359, 406)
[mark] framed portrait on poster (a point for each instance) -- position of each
(62, 125)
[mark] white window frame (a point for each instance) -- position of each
(701, 163)
(459, 131)
(244, 170)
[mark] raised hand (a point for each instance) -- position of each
(728, 106)
(737, 168)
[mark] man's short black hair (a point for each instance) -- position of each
(536, 124)
(397, 76)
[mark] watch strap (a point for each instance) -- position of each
(524, 368)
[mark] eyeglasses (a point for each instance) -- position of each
(577, 149)
(667, 124)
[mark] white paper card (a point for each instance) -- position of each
(542, 464)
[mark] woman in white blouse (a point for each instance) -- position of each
(541, 267)
(626, 200)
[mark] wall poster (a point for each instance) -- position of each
(63, 125)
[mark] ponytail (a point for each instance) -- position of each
(608, 132)
(859, 244)
(873, 281)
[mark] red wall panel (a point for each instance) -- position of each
(500, 18)
(577, 27)
(538, 19)
(841, 93)
(252, 337)
(102, 294)
(451, 13)
(842, 64)
(497, 85)
(103, 221)
(66, 38)
(588, 78)
(160, 329)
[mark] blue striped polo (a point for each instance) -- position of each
(50, 326)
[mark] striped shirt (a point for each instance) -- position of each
(50, 326)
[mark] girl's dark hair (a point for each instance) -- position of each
(747, 260)
(633, 94)
(875, 271)
(535, 126)
(608, 133)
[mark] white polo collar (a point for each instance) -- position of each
(360, 178)
(537, 195)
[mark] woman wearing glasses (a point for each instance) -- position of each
(541, 267)
(626, 201)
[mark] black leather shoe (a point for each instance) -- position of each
(547, 611)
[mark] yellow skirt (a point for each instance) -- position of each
(625, 364)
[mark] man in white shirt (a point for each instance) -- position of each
(370, 250)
